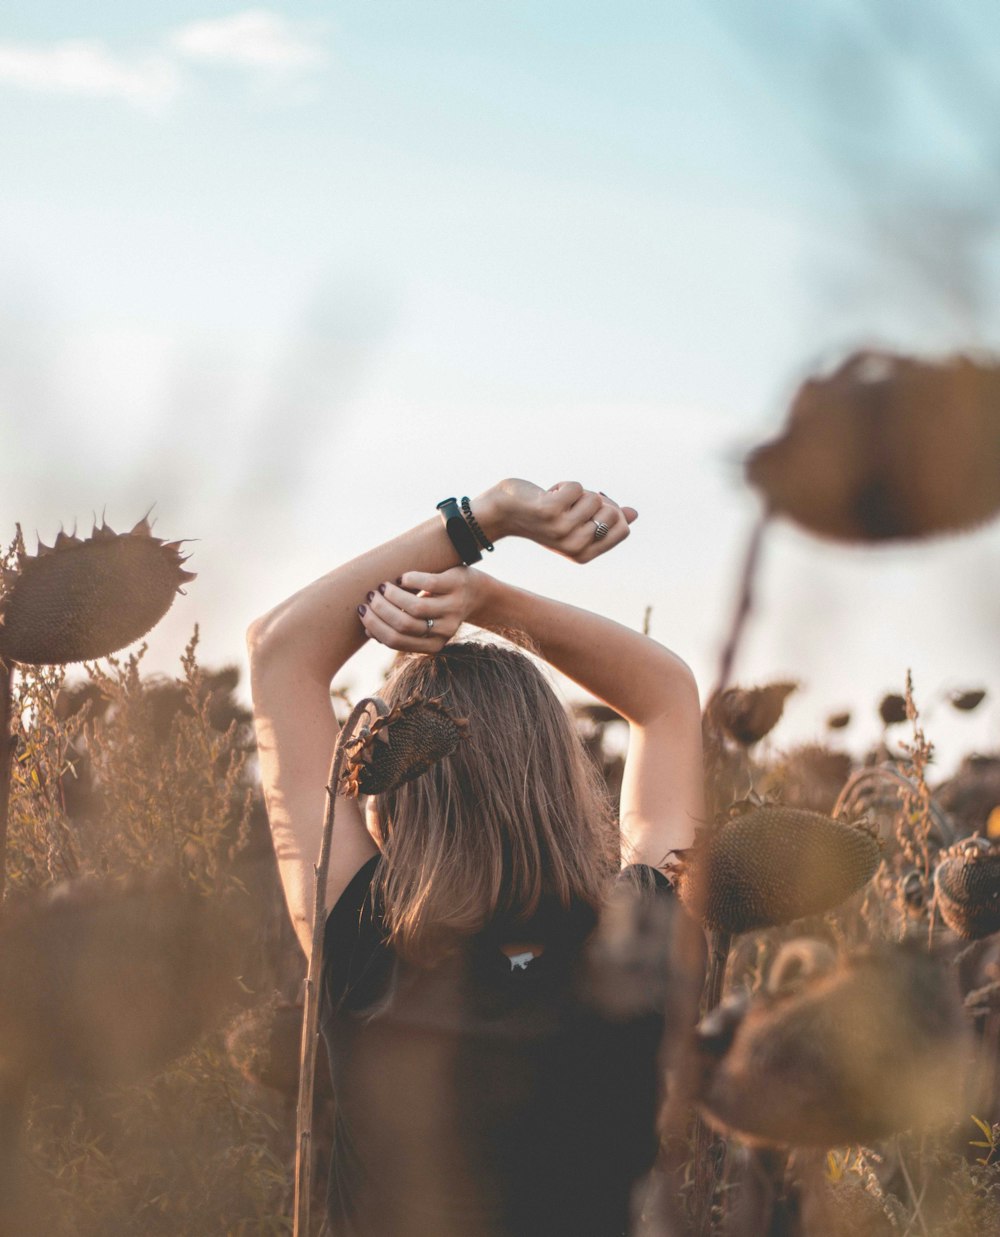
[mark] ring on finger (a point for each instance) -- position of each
(600, 529)
(430, 626)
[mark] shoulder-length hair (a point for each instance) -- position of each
(517, 814)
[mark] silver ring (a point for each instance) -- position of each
(430, 626)
(600, 529)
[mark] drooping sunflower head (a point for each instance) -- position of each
(80, 599)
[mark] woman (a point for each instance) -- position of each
(478, 1093)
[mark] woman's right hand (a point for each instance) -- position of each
(565, 518)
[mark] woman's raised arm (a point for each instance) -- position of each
(296, 649)
(662, 790)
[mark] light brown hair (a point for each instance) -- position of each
(516, 814)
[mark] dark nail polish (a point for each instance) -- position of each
(382, 588)
(370, 595)
(362, 610)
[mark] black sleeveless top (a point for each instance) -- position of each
(483, 1097)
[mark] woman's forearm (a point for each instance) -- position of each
(318, 627)
(635, 675)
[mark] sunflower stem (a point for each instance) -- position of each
(744, 604)
(709, 1152)
(6, 763)
(310, 1014)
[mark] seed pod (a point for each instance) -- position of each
(965, 702)
(876, 1046)
(968, 887)
(772, 864)
(887, 447)
(106, 984)
(746, 715)
(399, 746)
(79, 600)
(892, 709)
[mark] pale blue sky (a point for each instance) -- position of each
(294, 273)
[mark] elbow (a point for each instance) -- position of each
(677, 695)
(260, 639)
(687, 684)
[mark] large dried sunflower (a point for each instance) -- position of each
(887, 447)
(770, 864)
(77, 600)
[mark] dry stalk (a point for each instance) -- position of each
(310, 1017)
(6, 759)
(708, 1168)
(744, 603)
(709, 1151)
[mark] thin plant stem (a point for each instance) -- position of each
(708, 1167)
(917, 1213)
(6, 762)
(709, 1162)
(744, 603)
(310, 1014)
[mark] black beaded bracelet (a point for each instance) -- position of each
(459, 533)
(473, 523)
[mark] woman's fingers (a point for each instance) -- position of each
(409, 615)
(402, 619)
(431, 641)
(434, 583)
(608, 528)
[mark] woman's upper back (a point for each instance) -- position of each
(484, 1096)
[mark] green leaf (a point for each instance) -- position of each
(984, 1127)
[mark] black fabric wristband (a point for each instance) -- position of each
(459, 533)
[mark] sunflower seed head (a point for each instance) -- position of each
(770, 865)
(399, 746)
(80, 599)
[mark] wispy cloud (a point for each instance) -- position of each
(255, 39)
(88, 67)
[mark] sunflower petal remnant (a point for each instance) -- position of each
(887, 448)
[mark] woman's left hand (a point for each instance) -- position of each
(423, 611)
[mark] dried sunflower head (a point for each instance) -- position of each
(398, 745)
(966, 701)
(747, 714)
(770, 864)
(877, 1045)
(968, 887)
(892, 709)
(78, 600)
(887, 447)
